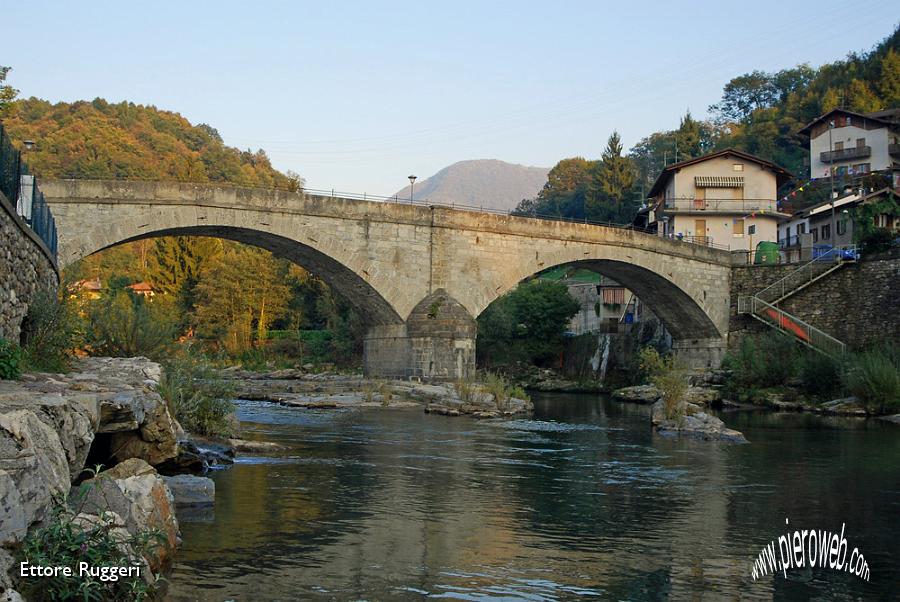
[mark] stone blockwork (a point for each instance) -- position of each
(857, 304)
(26, 266)
(391, 260)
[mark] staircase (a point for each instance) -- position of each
(764, 305)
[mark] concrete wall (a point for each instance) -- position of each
(858, 304)
(26, 266)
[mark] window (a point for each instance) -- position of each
(826, 232)
(737, 167)
(838, 146)
(751, 230)
(815, 234)
(787, 232)
(738, 228)
(841, 171)
(860, 142)
(842, 227)
(862, 168)
(801, 229)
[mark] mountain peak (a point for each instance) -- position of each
(487, 183)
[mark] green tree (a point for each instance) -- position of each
(889, 81)
(7, 94)
(613, 178)
(689, 138)
(176, 266)
(526, 324)
(239, 292)
(860, 97)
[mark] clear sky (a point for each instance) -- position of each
(355, 96)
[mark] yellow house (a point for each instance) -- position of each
(727, 199)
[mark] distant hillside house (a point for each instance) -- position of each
(725, 199)
(141, 288)
(88, 288)
(854, 143)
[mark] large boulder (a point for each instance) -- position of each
(155, 441)
(693, 422)
(33, 469)
(190, 490)
(134, 491)
(645, 394)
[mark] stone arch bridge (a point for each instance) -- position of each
(419, 274)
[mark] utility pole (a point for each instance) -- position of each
(831, 177)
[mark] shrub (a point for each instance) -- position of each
(197, 396)
(465, 390)
(820, 374)
(670, 377)
(649, 362)
(763, 361)
(502, 390)
(123, 324)
(50, 332)
(66, 540)
(10, 360)
(874, 377)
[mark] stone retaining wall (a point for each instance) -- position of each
(26, 266)
(858, 304)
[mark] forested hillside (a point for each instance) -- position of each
(97, 139)
(228, 295)
(759, 112)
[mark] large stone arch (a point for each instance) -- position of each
(362, 295)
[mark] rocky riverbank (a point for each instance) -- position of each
(52, 427)
(298, 388)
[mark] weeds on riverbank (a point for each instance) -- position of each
(874, 377)
(68, 538)
(10, 360)
(773, 363)
(51, 331)
(197, 396)
(668, 375)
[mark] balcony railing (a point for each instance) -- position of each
(721, 205)
(790, 241)
(856, 152)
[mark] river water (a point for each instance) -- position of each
(580, 501)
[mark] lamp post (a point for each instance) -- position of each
(412, 184)
(831, 176)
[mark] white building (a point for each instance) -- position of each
(853, 143)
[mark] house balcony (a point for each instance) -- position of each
(741, 206)
(846, 154)
(789, 242)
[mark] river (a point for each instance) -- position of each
(581, 500)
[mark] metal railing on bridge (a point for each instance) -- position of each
(22, 191)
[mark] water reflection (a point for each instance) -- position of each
(582, 501)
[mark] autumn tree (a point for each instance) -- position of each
(7, 94)
(240, 294)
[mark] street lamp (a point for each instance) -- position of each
(28, 144)
(412, 184)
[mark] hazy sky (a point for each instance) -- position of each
(357, 95)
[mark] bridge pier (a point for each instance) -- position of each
(698, 354)
(437, 342)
